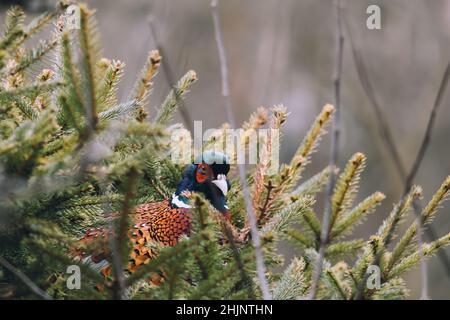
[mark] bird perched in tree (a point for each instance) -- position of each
(162, 222)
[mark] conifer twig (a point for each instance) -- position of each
(324, 237)
(384, 237)
(27, 281)
(174, 97)
(260, 267)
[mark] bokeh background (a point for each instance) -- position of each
(283, 52)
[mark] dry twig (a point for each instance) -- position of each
(260, 267)
(326, 227)
(27, 281)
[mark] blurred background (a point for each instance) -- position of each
(283, 52)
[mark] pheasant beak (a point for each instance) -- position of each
(221, 183)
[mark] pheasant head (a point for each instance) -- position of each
(208, 176)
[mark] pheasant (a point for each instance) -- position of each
(163, 222)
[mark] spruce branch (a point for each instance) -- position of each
(72, 107)
(293, 282)
(344, 248)
(368, 257)
(288, 216)
(23, 147)
(35, 55)
(387, 230)
(39, 22)
(308, 146)
(29, 91)
(426, 251)
(347, 222)
(394, 289)
(313, 223)
(335, 283)
(260, 185)
(440, 196)
(376, 247)
(107, 91)
(15, 17)
(427, 216)
(13, 30)
(68, 115)
(169, 105)
(259, 118)
(314, 184)
(317, 130)
(144, 82)
(217, 279)
(300, 239)
(121, 111)
(36, 25)
(346, 187)
(90, 54)
(269, 189)
(26, 108)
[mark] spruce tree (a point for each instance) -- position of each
(71, 154)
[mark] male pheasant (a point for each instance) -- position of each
(162, 222)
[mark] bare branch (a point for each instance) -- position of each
(415, 168)
(427, 137)
(260, 267)
(409, 180)
(169, 75)
(27, 281)
(326, 227)
(388, 139)
(382, 122)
